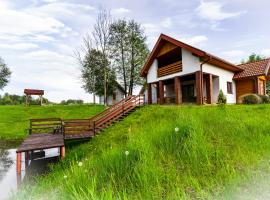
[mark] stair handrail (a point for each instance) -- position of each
(118, 109)
(135, 100)
(104, 112)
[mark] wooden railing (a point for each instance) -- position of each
(47, 125)
(170, 69)
(86, 128)
(121, 111)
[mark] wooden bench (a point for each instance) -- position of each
(47, 125)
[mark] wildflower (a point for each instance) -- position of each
(176, 129)
(79, 164)
(126, 152)
(65, 176)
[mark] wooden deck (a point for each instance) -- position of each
(41, 141)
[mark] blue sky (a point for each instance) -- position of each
(38, 37)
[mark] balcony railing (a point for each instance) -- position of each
(170, 69)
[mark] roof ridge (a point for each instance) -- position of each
(254, 61)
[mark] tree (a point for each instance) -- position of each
(92, 73)
(128, 52)
(119, 51)
(253, 58)
(101, 35)
(5, 74)
(138, 54)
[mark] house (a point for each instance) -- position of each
(178, 73)
(118, 95)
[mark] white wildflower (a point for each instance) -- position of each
(79, 164)
(65, 176)
(126, 152)
(176, 129)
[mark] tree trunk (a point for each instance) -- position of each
(123, 67)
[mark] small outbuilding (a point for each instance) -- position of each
(29, 92)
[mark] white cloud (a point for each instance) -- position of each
(234, 53)
(266, 52)
(167, 23)
(195, 40)
(120, 11)
(213, 11)
(19, 46)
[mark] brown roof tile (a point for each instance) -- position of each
(257, 68)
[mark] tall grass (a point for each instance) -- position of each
(214, 148)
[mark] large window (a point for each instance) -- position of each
(229, 88)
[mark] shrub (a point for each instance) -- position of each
(251, 99)
(222, 98)
(264, 98)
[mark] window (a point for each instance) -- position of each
(229, 88)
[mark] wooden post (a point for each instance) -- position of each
(209, 89)
(19, 168)
(26, 160)
(62, 152)
(149, 89)
(41, 99)
(199, 87)
(161, 92)
(256, 85)
(178, 92)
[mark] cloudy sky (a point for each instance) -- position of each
(38, 37)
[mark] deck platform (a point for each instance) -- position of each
(41, 141)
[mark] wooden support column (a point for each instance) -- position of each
(26, 160)
(256, 85)
(177, 89)
(161, 92)
(62, 152)
(209, 88)
(199, 88)
(19, 168)
(149, 92)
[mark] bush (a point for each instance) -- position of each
(264, 98)
(222, 98)
(251, 99)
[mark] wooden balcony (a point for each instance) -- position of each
(170, 69)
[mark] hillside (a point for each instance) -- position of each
(14, 120)
(145, 157)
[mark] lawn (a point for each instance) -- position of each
(14, 120)
(163, 152)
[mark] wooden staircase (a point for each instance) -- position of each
(87, 128)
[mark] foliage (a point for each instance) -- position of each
(251, 99)
(72, 101)
(205, 157)
(264, 98)
(253, 58)
(5, 74)
(14, 120)
(9, 99)
(221, 97)
(93, 72)
(128, 52)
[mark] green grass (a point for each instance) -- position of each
(215, 148)
(14, 120)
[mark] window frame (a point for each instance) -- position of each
(229, 87)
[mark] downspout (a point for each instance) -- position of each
(201, 77)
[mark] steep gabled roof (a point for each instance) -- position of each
(197, 52)
(258, 68)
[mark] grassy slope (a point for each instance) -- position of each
(14, 120)
(214, 147)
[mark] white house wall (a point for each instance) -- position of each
(190, 64)
(224, 76)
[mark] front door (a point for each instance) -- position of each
(188, 93)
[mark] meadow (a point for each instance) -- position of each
(163, 152)
(14, 120)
